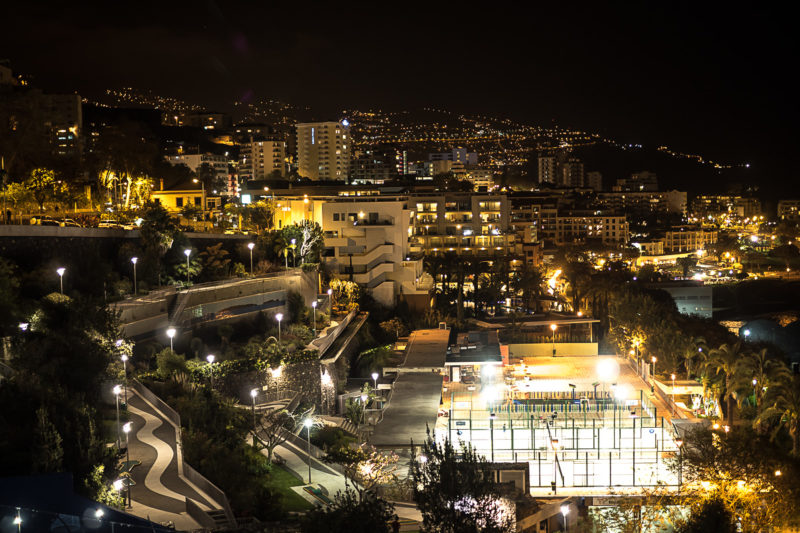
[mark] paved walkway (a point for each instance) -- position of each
(161, 490)
(323, 476)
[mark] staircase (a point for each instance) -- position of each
(219, 518)
(178, 305)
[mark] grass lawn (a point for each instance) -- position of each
(282, 480)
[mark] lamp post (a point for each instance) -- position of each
(251, 245)
(553, 328)
(564, 513)
(286, 257)
(135, 260)
(253, 394)
(124, 358)
(363, 408)
(18, 521)
(755, 396)
(673, 393)
(679, 443)
(375, 379)
(653, 360)
(203, 186)
(330, 300)
(117, 391)
(127, 429)
(308, 423)
(314, 308)
(279, 317)
(294, 253)
(187, 252)
(170, 334)
(60, 272)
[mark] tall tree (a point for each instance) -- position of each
(782, 402)
(454, 490)
(350, 512)
(725, 362)
(47, 452)
(528, 281)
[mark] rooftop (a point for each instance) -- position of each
(427, 349)
(413, 408)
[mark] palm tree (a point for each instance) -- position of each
(725, 362)
(697, 350)
(578, 275)
(765, 370)
(528, 280)
(783, 406)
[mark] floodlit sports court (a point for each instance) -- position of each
(580, 422)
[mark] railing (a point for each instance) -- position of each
(209, 488)
(189, 473)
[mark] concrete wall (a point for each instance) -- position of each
(22, 230)
(546, 349)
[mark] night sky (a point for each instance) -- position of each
(717, 81)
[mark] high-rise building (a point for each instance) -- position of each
(323, 150)
(375, 165)
(459, 154)
(639, 181)
(571, 173)
(547, 169)
(594, 180)
(260, 158)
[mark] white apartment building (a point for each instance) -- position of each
(324, 150)
(547, 169)
(367, 241)
(465, 223)
(481, 178)
(259, 159)
(688, 239)
(194, 161)
(789, 209)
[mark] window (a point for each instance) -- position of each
(336, 217)
(178, 202)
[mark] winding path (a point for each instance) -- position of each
(164, 456)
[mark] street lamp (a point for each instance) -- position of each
(127, 429)
(564, 513)
(134, 260)
(170, 334)
(117, 391)
(755, 396)
(553, 328)
(18, 521)
(251, 245)
(60, 272)
(308, 423)
(279, 317)
(253, 394)
(294, 253)
(210, 358)
(314, 307)
(375, 379)
(363, 408)
(673, 393)
(330, 300)
(187, 252)
(679, 443)
(124, 358)
(653, 360)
